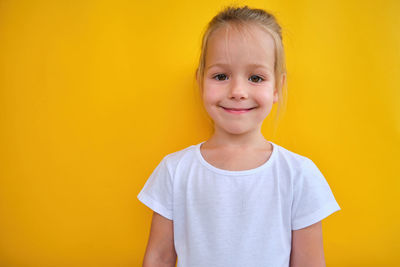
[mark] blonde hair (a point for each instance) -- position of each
(245, 16)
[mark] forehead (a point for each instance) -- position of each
(240, 44)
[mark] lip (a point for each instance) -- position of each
(236, 110)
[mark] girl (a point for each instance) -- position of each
(238, 200)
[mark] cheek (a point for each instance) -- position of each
(211, 95)
(264, 97)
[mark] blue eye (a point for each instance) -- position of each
(220, 76)
(257, 79)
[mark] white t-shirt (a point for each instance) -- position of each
(237, 218)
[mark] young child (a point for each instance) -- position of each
(238, 200)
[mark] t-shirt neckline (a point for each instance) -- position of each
(237, 173)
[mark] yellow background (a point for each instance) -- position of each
(94, 93)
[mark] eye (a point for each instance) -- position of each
(220, 77)
(256, 79)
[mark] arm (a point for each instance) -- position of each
(307, 247)
(160, 251)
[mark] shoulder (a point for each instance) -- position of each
(292, 160)
(302, 169)
(179, 157)
(299, 167)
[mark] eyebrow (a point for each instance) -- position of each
(254, 65)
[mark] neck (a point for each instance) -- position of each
(251, 139)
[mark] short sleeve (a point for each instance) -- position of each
(157, 191)
(313, 199)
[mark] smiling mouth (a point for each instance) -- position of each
(238, 109)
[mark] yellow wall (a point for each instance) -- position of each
(94, 93)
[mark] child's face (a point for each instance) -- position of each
(239, 74)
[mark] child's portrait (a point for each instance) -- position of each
(199, 134)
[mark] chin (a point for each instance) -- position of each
(236, 129)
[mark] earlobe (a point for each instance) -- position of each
(197, 77)
(283, 80)
(275, 99)
(276, 95)
(198, 82)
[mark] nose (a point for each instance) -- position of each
(238, 89)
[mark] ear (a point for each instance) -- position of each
(197, 77)
(283, 79)
(275, 96)
(198, 81)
